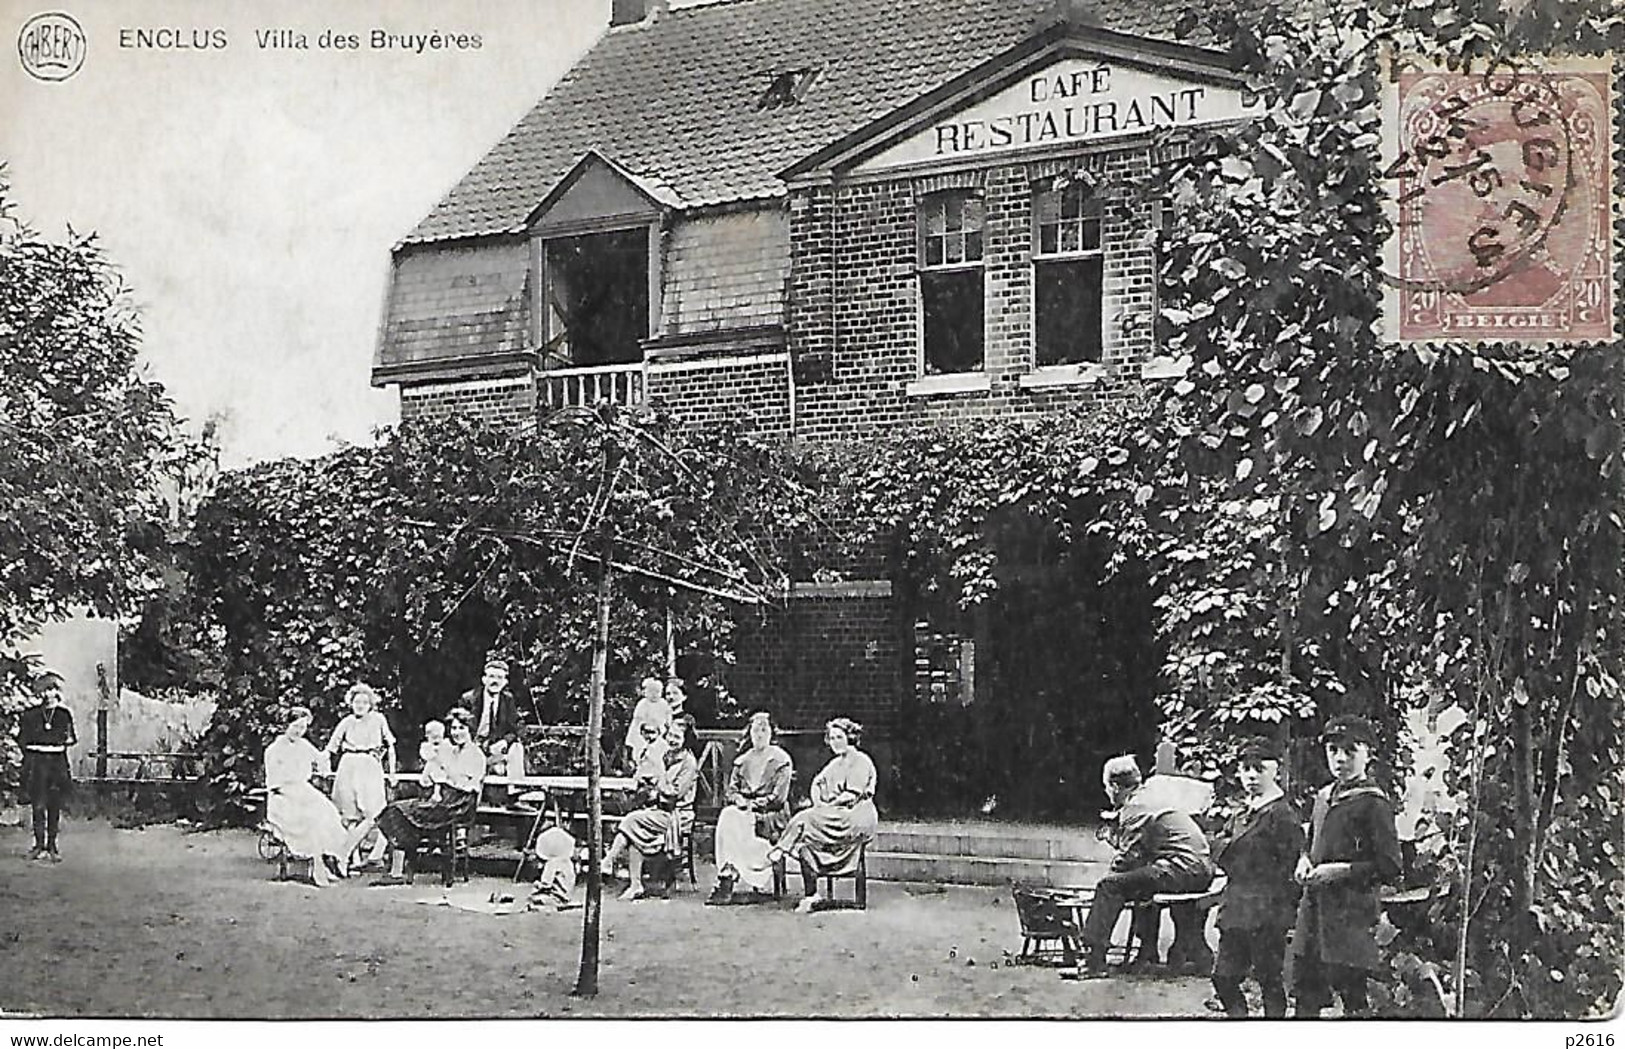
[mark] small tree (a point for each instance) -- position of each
(86, 440)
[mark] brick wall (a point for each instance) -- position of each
(706, 392)
(505, 402)
(821, 657)
(854, 309)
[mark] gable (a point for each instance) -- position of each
(594, 192)
(1067, 102)
(1069, 86)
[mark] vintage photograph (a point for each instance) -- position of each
(812, 509)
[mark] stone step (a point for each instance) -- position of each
(887, 865)
(994, 841)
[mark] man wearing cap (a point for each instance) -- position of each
(496, 718)
(1352, 850)
(1257, 851)
(45, 733)
(1160, 849)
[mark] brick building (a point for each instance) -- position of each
(828, 217)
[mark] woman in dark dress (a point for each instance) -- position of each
(404, 823)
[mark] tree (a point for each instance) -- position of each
(87, 439)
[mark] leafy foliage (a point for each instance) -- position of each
(1334, 523)
(86, 440)
(401, 564)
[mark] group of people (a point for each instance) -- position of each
(332, 830)
(1322, 886)
(756, 829)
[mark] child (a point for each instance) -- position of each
(431, 751)
(45, 733)
(1352, 850)
(555, 850)
(1257, 852)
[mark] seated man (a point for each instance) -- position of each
(1160, 849)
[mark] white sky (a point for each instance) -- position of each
(251, 196)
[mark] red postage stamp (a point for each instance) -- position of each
(1503, 182)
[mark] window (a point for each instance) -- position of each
(951, 283)
(597, 288)
(1068, 274)
(786, 88)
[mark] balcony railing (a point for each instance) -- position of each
(572, 387)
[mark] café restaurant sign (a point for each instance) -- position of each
(1075, 100)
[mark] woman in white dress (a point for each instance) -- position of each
(302, 816)
(758, 803)
(363, 743)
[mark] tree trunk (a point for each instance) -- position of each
(587, 979)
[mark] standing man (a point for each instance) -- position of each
(1352, 850)
(496, 719)
(45, 733)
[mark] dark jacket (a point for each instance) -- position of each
(1258, 852)
(504, 720)
(1337, 922)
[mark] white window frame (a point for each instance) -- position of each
(948, 382)
(1076, 371)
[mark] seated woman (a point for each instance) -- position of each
(455, 794)
(758, 807)
(667, 815)
(302, 816)
(825, 838)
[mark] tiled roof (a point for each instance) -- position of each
(675, 99)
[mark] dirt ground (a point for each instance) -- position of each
(162, 922)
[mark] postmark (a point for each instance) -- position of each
(51, 46)
(1502, 186)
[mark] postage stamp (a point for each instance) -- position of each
(1502, 181)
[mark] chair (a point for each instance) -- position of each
(1049, 932)
(858, 871)
(1202, 901)
(452, 846)
(271, 847)
(675, 867)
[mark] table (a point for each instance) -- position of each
(559, 783)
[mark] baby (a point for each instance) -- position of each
(431, 751)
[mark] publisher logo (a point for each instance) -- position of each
(51, 46)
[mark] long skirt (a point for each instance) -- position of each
(741, 846)
(46, 778)
(654, 831)
(828, 836)
(306, 821)
(358, 786)
(410, 820)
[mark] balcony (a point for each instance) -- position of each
(620, 384)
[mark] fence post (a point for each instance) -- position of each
(104, 695)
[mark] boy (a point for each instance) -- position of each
(45, 733)
(1352, 850)
(1257, 852)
